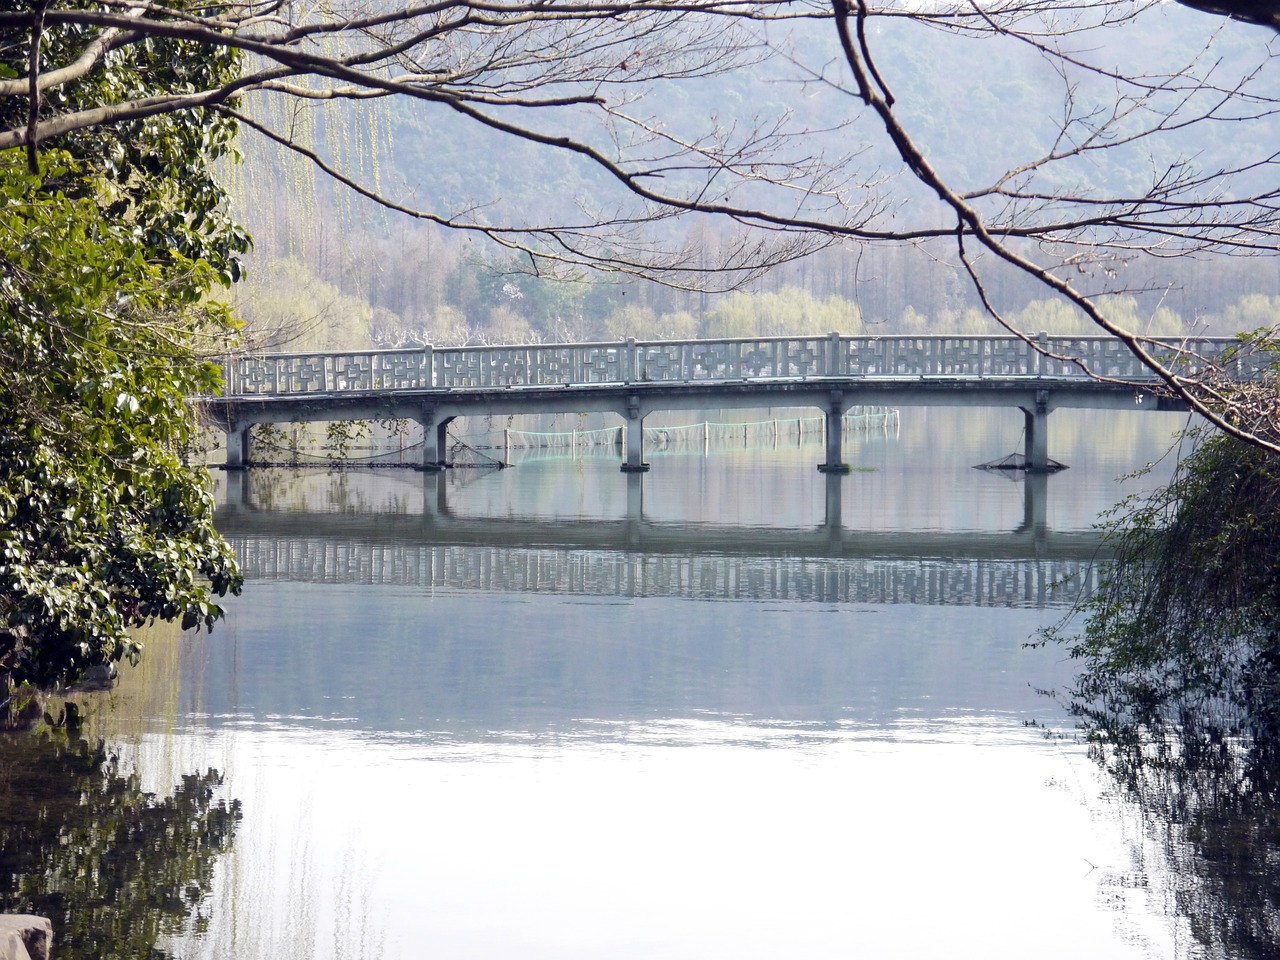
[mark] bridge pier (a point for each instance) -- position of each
(442, 442)
(435, 439)
(635, 438)
(238, 446)
(835, 435)
(1036, 446)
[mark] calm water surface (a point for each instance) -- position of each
(728, 711)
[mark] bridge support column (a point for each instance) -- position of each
(635, 439)
(238, 446)
(433, 440)
(835, 435)
(442, 443)
(1036, 448)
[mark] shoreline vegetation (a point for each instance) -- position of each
(1178, 693)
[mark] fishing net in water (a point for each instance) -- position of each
(463, 455)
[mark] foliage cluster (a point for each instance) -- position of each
(157, 172)
(1179, 692)
(111, 238)
(103, 525)
(1188, 615)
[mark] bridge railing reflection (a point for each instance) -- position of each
(633, 557)
(1035, 583)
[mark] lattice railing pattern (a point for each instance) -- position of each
(356, 371)
(671, 361)
(772, 358)
(939, 357)
(397, 370)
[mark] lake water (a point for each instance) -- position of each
(731, 709)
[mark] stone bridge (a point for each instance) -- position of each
(632, 378)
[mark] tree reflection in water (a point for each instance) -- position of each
(115, 868)
(1203, 770)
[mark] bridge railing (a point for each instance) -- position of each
(295, 373)
(1192, 356)
(679, 361)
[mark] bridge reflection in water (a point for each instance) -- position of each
(633, 557)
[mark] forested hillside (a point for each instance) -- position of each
(333, 270)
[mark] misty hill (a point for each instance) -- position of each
(977, 106)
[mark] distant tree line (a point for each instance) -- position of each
(419, 284)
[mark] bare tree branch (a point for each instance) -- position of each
(33, 86)
(93, 53)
